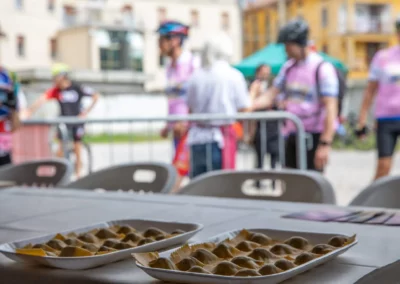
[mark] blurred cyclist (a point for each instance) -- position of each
(181, 66)
(9, 119)
(258, 88)
(384, 84)
(9, 116)
(69, 96)
(314, 102)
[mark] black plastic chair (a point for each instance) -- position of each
(383, 193)
(297, 186)
(147, 177)
(40, 173)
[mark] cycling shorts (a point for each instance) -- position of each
(386, 137)
(291, 152)
(76, 132)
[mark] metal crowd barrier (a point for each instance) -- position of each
(114, 153)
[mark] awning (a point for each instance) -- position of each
(274, 55)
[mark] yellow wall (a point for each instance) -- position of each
(260, 16)
(349, 47)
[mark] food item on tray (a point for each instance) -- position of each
(338, 241)
(97, 242)
(297, 242)
(322, 249)
(249, 254)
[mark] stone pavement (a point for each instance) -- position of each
(348, 171)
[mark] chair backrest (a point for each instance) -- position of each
(384, 193)
(297, 186)
(147, 177)
(41, 173)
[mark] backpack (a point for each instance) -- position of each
(341, 79)
(342, 86)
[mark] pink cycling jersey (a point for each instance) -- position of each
(300, 91)
(385, 69)
(177, 76)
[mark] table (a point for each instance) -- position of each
(26, 213)
(6, 183)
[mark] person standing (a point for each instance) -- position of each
(9, 115)
(270, 130)
(172, 35)
(310, 89)
(182, 64)
(69, 95)
(384, 88)
(217, 88)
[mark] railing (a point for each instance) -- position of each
(156, 150)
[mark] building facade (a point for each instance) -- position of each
(101, 35)
(350, 30)
(30, 28)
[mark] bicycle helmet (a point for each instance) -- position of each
(59, 69)
(173, 28)
(296, 31)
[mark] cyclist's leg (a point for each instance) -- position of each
(386, 137)
(60, 149)
(311, 153)
(78, 133)
(291, 152)
(258, 148)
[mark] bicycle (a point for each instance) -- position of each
(86, 153)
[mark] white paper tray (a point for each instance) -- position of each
(195, 278)
(191, 229)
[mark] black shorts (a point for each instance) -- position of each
(5, 160)
(291, 152)
(76, 132)
(386, 137)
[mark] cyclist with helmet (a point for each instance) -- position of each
(179, 69)
(314, 101)
(69, 95)
(10, 104)
(384, 88)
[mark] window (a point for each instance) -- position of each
(51, 5)
(20, 46)
(162, 14)
(120, 50)
(127, 15)
(19, 4)
(53, 48)
(300, 3)
(195, 18)
(225, 21)
(70, 15)
(324, 17)
(255, 33)
(325, 49)
(161, 61)
(267, 29)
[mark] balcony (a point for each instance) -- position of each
(372, 25)
(74, 16)
(372, 19)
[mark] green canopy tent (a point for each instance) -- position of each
(274, 55)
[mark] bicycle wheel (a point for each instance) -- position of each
(89, 158)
